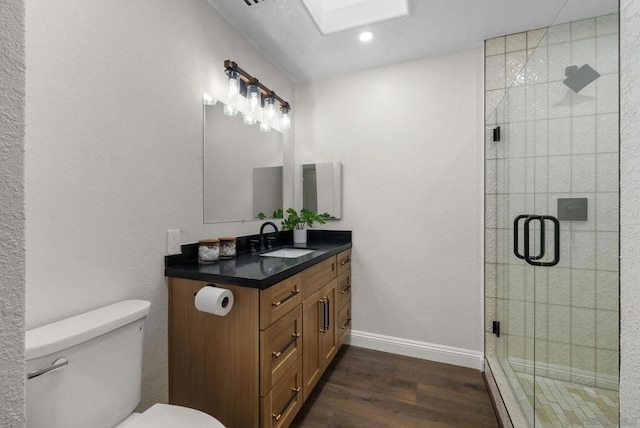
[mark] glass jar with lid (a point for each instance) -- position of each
(227, 247)
(208, 251)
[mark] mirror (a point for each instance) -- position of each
(242, 168)
(321, 188)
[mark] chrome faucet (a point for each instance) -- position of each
(265, 224)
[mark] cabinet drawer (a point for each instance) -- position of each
(344, 289)
(279, 299)
(344, 261)
(344, 323)
(284, 400)
(317, 276)
(280, 347)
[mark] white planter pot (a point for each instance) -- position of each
(299, 236)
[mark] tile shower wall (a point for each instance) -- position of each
(555, 144)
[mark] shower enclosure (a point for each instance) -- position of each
(551, 223)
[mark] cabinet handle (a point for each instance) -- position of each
(322, 313)
(345, 261)
(294, 337)
(345, 324)
(345, 289)
(296, 391)
(293, 294)
(328, 313)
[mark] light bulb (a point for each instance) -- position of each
(234, 84)
(286, 120)
(264, 127)
(271, 108)
(254, 101)
(270, 111)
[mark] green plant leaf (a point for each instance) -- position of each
(306, 217)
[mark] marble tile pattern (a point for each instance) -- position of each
(567, 404)
(556, 143)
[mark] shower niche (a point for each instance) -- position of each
(552, 223)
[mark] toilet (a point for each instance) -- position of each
(86, 371)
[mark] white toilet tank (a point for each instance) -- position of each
(100, 359)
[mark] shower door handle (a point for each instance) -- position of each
(516, 242)
(556, 239)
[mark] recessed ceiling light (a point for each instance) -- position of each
(366, 36)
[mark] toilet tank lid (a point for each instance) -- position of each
(72, 331)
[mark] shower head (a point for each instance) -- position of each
(578, 78)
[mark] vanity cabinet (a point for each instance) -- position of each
(344, 295)
(256, 366)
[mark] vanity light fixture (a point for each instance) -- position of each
(286, 120)
(234, 81)
(254, 98)
(256, 101)
(270, 109)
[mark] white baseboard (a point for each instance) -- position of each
(416, 349)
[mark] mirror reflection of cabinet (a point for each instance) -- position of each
(321, 188)
(236, 157)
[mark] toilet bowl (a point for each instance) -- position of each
(86, 371)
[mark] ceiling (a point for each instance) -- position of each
(284, 31)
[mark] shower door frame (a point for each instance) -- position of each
(497, 175)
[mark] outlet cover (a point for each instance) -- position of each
(173, 242)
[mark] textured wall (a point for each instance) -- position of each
(114, 151)
(12, 275)
(630, 213)
(410, 141)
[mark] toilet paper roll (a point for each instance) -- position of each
(214, 300)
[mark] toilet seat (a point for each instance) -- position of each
(170, 416)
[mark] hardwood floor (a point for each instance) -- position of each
(365, 388)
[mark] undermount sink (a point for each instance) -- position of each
(288, 253)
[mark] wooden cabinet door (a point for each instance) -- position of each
(329, 335)
(312, 324)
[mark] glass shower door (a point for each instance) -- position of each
(552, 223)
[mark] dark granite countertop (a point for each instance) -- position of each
(249, 269)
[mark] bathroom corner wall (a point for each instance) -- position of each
(630, 213)
(409, 137)
(12, 230)
(114, 152)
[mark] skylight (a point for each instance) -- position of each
(337, 15)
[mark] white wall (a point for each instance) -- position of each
(12, 224)
(410, 141)
(629, 213)
(114, 151)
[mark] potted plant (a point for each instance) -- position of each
(297, 221)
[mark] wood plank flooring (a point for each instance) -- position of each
(365, 388)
